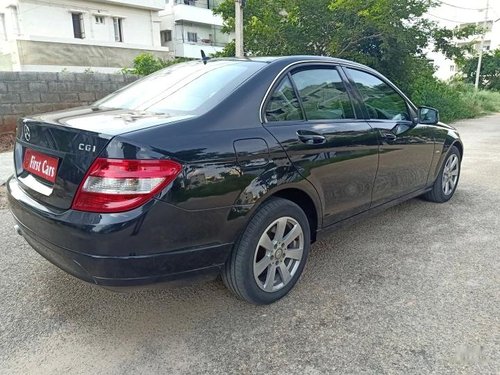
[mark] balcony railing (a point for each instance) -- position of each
(146, 4)
(206, 4)
(205, 42)
(196, 13)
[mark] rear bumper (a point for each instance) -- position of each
(114, 251)
(131, 271)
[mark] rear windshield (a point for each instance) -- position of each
(187, 88)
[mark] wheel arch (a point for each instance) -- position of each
(460, 147)
(450, 139)
(450, 142)
(297, 193)
(305, 202)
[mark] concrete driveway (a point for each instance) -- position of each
(413, 290)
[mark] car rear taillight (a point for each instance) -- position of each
(116, 185)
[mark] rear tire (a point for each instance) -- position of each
(270, 255)
(447, 181)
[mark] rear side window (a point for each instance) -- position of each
(323, 94)
(381, 100)
(283, 104)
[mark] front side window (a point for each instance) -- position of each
(323, 94)
(283, 104)
(183, 89)
(380, 99)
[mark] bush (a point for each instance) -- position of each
(454, 101)
(488, 101)
(146, 63)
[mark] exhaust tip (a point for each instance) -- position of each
(18, 230)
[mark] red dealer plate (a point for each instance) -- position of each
(39, 164)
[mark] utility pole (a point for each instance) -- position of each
(481, 46)
(238, 26)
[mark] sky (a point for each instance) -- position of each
(453, 12)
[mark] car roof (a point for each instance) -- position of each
(297, 58)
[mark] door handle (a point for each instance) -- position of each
(310, 138)
(389, 136)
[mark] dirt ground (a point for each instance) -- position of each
(3, 197)
(6, 142)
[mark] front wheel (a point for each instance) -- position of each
(269, 257)
(446, 183)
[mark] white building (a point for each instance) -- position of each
(75, 35)
(459, 13)
(188, 26)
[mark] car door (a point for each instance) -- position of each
(406, 147)
(310, 112)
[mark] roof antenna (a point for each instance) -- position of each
(204, 57)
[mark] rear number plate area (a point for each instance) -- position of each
(41, 165)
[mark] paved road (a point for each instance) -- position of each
(413, 290)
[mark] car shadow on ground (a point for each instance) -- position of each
(382, 275)
(337, 259)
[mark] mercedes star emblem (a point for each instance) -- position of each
(27, 134)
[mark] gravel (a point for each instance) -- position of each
(415, 289)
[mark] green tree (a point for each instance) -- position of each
(388, 35)
(489, 77)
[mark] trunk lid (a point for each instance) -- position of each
(54, 151)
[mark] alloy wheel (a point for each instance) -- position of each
(278, 254)
(450, 174)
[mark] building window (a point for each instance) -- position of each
(452, 68)
(118, 27)
(192, 37)
(166, 36)
(78, 30)
(486, 46)
(3, 28)
(482, 26)
(14, 19)
(99, 20)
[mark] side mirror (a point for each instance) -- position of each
(428, 115)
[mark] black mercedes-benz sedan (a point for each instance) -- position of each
(225, 166)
